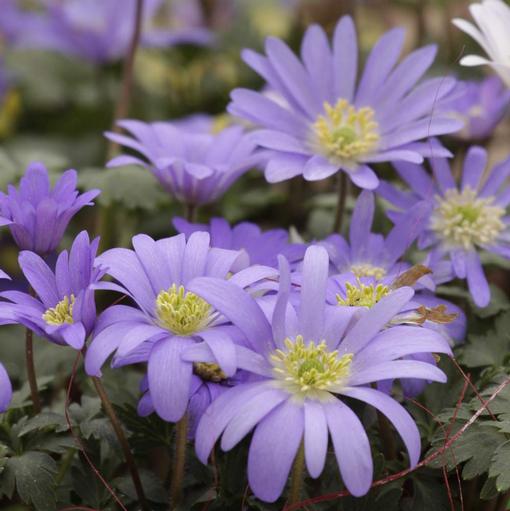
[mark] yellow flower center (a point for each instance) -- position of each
(367, 270)
(309, 368)
(344, 133)
(61, 313)
(463, 219)
(181, 312)
(362, 295)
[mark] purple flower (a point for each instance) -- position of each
(38, 215)
(62, 308)
(480, 105)
(367, 254)
(195, 167)
(332, 123)
(96, 30)
(176, 332)
(5, 389)
(260, 247)
(461, 220)
(305, 356)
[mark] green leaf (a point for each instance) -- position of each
(133, 187)
(45, 421)
(33, 473)
(490, 349)
(500, 467)
(475, 447)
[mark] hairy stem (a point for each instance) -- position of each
(181, 438)
(342, 198)
(121, 437)
(296, 478)
(32, 380)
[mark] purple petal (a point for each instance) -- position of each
(40, 277)
(74, 335)
(317, 167)
(238, 306)
(169, 378)
(284, 166)
(316, 437)
(250, 414)
(195, 256)
(272, 451)
(5, 389)
(474, 165)
(375, 319)
(345, 57)
(396, 414)
(352, 448)
(313, 293)
(223, 349)
(397, 369)
(476, 279)
(219, 414)
(361, 223)
(364, 177)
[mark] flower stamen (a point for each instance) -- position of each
(305, 368)
(463, 219)
(62, 312)
(368, 270)
(362, 295)
(181, 312)
(344, 133)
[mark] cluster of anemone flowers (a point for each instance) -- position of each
(243, 333)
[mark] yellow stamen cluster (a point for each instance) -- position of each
(362, 295)
(209, 372)
(367, 270)
(462, 219)
(61, 313)
(305, 368)
(181, 312)
(344, 133)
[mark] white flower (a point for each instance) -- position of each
(492, 34)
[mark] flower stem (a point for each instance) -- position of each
(121, 437)
(181, 438)
(296, 478)
(122, 107)
(190, 211)
(340, 206)
(387, 438)
(32, 380)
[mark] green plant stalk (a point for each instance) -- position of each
(341, 201)
(32, 380)
(119, 432)
(296, 478)
(181, 439)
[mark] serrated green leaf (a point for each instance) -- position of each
(500, 467)
(33, 473)
(45, 420)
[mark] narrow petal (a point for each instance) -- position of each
(238, 306)
(352, 448)
(272, 451)
(474, 165)
(316, 438)
(396, 414)
(375, 319)
(5, 389)
(249, 415)
(313, 293)
(219, 414)
(40, 277)
(477, 281)
(169, 378)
